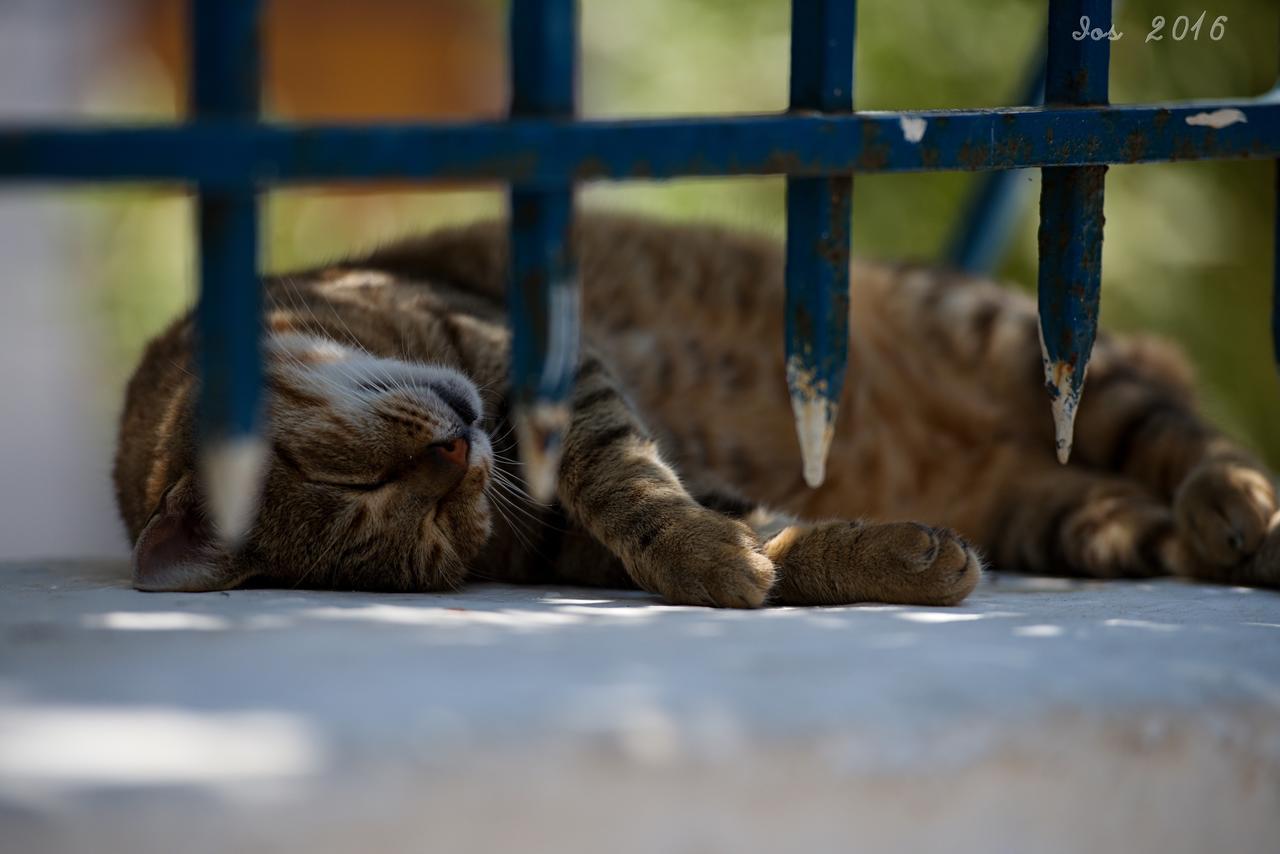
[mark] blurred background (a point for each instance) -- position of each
(93, 272)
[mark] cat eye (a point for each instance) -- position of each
(355, 484)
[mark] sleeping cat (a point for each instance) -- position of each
(393, 466)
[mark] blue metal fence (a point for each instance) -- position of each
(227, 155)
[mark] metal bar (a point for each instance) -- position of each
(1071, 216)
(1274, 95)
(542, 291)
(996, 203)
(224, 86)
(818, 233)
(553, 152)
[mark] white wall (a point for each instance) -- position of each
(55, 496)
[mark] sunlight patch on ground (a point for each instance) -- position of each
(61, 747)
(938, 617)
(1038, 631)
(1149, 625)
(156, 621)
(400, 615)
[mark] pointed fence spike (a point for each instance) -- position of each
(539, 428)
(815, 427)
(231, 470)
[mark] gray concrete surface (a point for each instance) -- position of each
(1041, 716)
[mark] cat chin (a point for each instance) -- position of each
(463, 521)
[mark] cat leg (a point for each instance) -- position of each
(614, 483)
(724, 551)
(1073, 521)
(1137, 419)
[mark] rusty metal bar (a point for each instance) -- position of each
(225, 87)
(542, 294)
(819, 212)
(1071, 215)
(554, 152)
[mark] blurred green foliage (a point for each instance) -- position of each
(1188, 250)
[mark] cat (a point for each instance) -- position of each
(393, 467)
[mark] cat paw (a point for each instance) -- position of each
(924, 565)
(900, 563)
(1263, 569)
(707, 560)
(1223, 511)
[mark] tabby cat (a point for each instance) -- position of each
(393, 465)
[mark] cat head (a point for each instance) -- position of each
(376, 479)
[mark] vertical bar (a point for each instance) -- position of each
(995, 206)
(1071, 216)
(225, 87)
(819, 214)
(1275, 286)
(542, 291)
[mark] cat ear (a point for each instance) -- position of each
(177, 550)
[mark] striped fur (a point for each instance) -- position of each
(680, 472)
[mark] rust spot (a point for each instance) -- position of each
(1161, 119)
(1135, 145)
(782, 162)
(1012, 149)
(803, 322)
(973, 157)
(875, 154)
(1185, 149)
(591, 167)
(834, 252)
(873, 158)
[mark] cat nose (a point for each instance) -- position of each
(454, 451)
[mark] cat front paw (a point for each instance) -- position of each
(1263, 569)
(709, 560)
(1224, 510)
(837, 563)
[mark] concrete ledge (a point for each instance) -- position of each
(1042, 715)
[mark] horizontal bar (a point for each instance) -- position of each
(556, 151)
